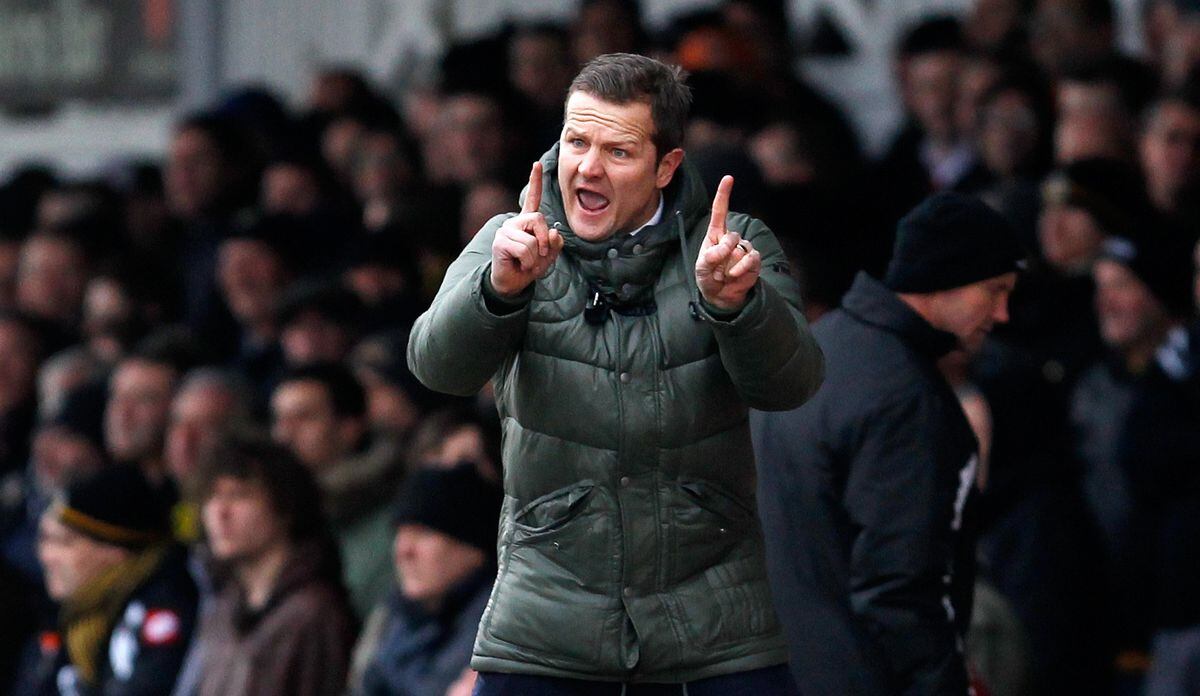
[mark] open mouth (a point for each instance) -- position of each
(591, 201)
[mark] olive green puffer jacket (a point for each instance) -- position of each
(629, 545)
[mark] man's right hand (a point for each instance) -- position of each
(524, 248)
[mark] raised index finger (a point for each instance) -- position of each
(720, 209)
(533, 197)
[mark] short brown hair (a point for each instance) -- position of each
(622, 78)
(290, 487)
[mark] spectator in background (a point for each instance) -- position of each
(292, 186)
(60, 375)
(281, 624)
(1169, 149)
(540, 69)
(119, 306)
(481, 202)
(473, 140)
(208, 405)
(64, 447)
(135, 419)
(10, 259)
(128, 605)
(451, 436)
(319, 321)
(420, 640)
(1143, 293)
(319, 412)
(20, 354)
(1173, 40)
(383, 270)
(396, 400)
(51, 277)
(385, 178)
(1097, 104)
(998, 25)
(255, 267)
(930, 153)
(1068, 33)
(1083, 203)
(1013, 138)
(208, 178)
(606, 26)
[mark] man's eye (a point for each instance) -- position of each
(619, 153)
(577, 142)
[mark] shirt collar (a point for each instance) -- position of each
(654, 219)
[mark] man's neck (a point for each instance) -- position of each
(654, 218)
(258, 576)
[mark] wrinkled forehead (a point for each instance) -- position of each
(631, 120)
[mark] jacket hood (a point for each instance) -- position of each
(361, 483)
(311, 561)
(871, 302)
(626, 276)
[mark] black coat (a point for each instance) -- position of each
(865, 494)
(147, 644)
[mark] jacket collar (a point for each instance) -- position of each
(626, 277)
(871, 302)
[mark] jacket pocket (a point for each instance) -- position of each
(707, 525)
(718, 592)
(553, 510)
(553, 604)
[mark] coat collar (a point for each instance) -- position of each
(871, 302)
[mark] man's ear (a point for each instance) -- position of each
(666, 168)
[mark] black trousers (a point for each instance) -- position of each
(769, 681)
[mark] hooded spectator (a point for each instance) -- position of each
(319, 412)
(280, 624)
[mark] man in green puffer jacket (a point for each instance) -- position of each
(627, 332)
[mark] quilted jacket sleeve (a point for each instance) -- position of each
(767, 347)
(459, 342)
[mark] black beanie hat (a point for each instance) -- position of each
(951, 240)
(1165, 269)
(1111, 191)
(457, 502)
(115, 505)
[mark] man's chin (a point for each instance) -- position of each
(589, 230)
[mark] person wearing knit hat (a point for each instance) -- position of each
(128, 604)
(1130, 420)
(420, 641)
(867, 491)
(1083, 203)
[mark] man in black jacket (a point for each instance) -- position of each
(127, 603)
(865, 491)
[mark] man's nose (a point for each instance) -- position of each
(1000, 316)
(589, 165)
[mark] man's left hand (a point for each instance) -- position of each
(728, 266)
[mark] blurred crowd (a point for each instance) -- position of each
(205, 404)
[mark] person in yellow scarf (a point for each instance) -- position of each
(127, 605)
